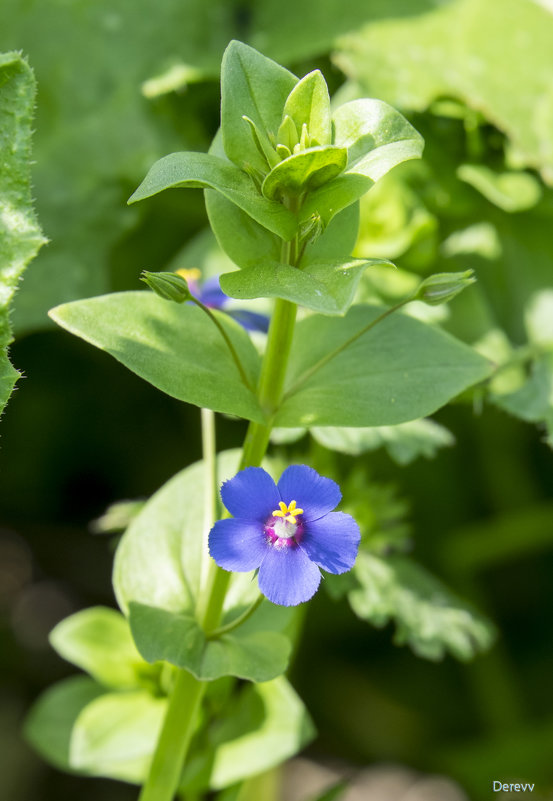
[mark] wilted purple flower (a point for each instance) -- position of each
(287, 530)
(211, 295)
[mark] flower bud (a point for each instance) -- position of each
(168, 286)
(312, 228)
(443, 287)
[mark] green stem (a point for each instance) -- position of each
(178, 727)
(333, 353)
(237, 621)
(230, 346)
(210, 487)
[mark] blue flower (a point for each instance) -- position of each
(211, 295)
(287, 530)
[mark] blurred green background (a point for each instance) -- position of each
(121, 84)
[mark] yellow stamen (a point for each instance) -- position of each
(193, 274)
(288, 512)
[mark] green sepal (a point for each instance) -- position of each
(443, 287)
(168, 286)
(326, 287)
(399, 370)
(287, 135)
(248, 652)
(206, 171)
(266, 150)
(174, 347)
(309, 104)
(253, 86)
(305, 171)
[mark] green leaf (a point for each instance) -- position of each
(115, 735)
(533, 401)
(377, 137)
(404, 442)
(335, 196)
(324, 287)
(158, 571)
(20, 235)
(309, 104)
(305, 171)
(265, 725)
(99, 641)
(176, 348)
(206, 171)
(247, 243)
(257, 87)
(249, 652)
(428, 618)
(50, 722)
(410, 61)
(400, 370)
(96, 132)
(510, 191)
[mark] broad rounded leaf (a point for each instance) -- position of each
(250, 652)
(265, 725)
(50, 722)
(115, 735)
(400, 370)
(177, 348)
(305, 171)
(327, 287)
(99, 641)
(206, 171)
(377, 137)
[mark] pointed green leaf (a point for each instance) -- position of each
(400, 370)
(50, 722)
(20, 235)
(334, 196)
(206, 171)
(99, 641)
(327, 287)
(376, 136)
(428, 617)
(257, 87)
(305, 171)
(309, 104)
(249, 652)
(115, 735)
(176, 348)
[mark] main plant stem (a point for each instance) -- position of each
(185, 699)
(178, 727)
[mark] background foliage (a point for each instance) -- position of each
(120, 84)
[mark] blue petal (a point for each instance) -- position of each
(313, 493)
(332, 542)
(251, 321)
(211, 293)
(238, 544)
(287, 577)
(251, 494)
